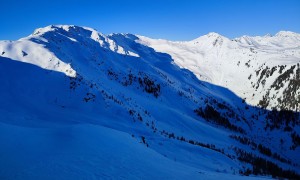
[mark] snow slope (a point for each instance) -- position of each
(249, 66)
(111, 107)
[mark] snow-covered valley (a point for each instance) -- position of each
(78, 104)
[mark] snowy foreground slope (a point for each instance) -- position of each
(265, 71)
(77, 104)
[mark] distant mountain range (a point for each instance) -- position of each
(265, 71)
(78, 104)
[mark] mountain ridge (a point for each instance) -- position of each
(75, 80)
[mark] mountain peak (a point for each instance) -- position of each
(51, 28)
(212, 38)
(67, 28)
(268, 35)
(71, 31)
(286, 34)
(213, 34)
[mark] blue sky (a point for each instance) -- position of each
(168, 19)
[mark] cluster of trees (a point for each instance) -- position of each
(89, 97)
(138, 116)
(112, 74)
(290, 100)
(212, 115)
(75, 82)
(261, 166)
(262, 149)
(276, 119)
(129, 79)
(149, 86)
(264, 73)
(111, 97)
(193, 142)
(281, 68)
(296, 140)
(279, 82)
(244, 140)
(264, 102)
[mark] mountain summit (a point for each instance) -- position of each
(80, 104)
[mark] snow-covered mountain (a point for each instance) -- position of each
(265, 71)
(79, 104)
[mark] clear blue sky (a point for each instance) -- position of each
(168, 19)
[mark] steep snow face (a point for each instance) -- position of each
(261, 70)
(24, 50)
(130, 111)
(75, 33)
